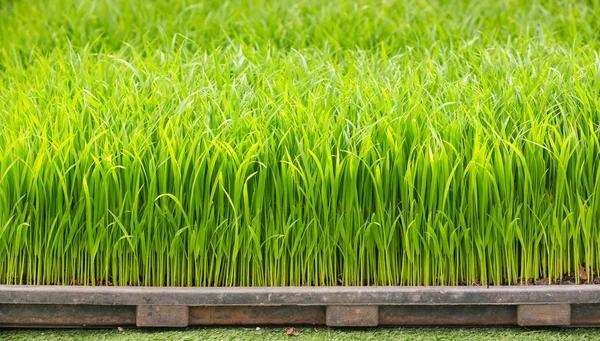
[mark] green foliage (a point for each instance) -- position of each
(316, 334)
(254, 143)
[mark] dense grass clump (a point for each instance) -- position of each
(316, 142)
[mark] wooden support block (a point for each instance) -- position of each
(352, 316)
(544, 315)
(162, 316)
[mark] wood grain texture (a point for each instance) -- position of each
(352, 316)
(78, 316)
(544, 315)
(254, 315)
(585, 315)
(321, 296)
(66, 315)
(450, 315)
(162, 316)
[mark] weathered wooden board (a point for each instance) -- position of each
(585, 315)
(321, 296)
(450, 315)
(40, 306)
(255, 315)
(544, 315)
(59, 315)
(162, 316)
(352, 316)
(35, 315)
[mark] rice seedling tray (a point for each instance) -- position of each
(79, 306)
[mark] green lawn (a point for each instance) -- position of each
(465, 334)
(299, 142)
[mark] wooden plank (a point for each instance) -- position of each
(585, 315)
(352, 316)
(544, 315)
(162, 316)
(323, 296)
(255, 315)
(66, 315)
(451, 315)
